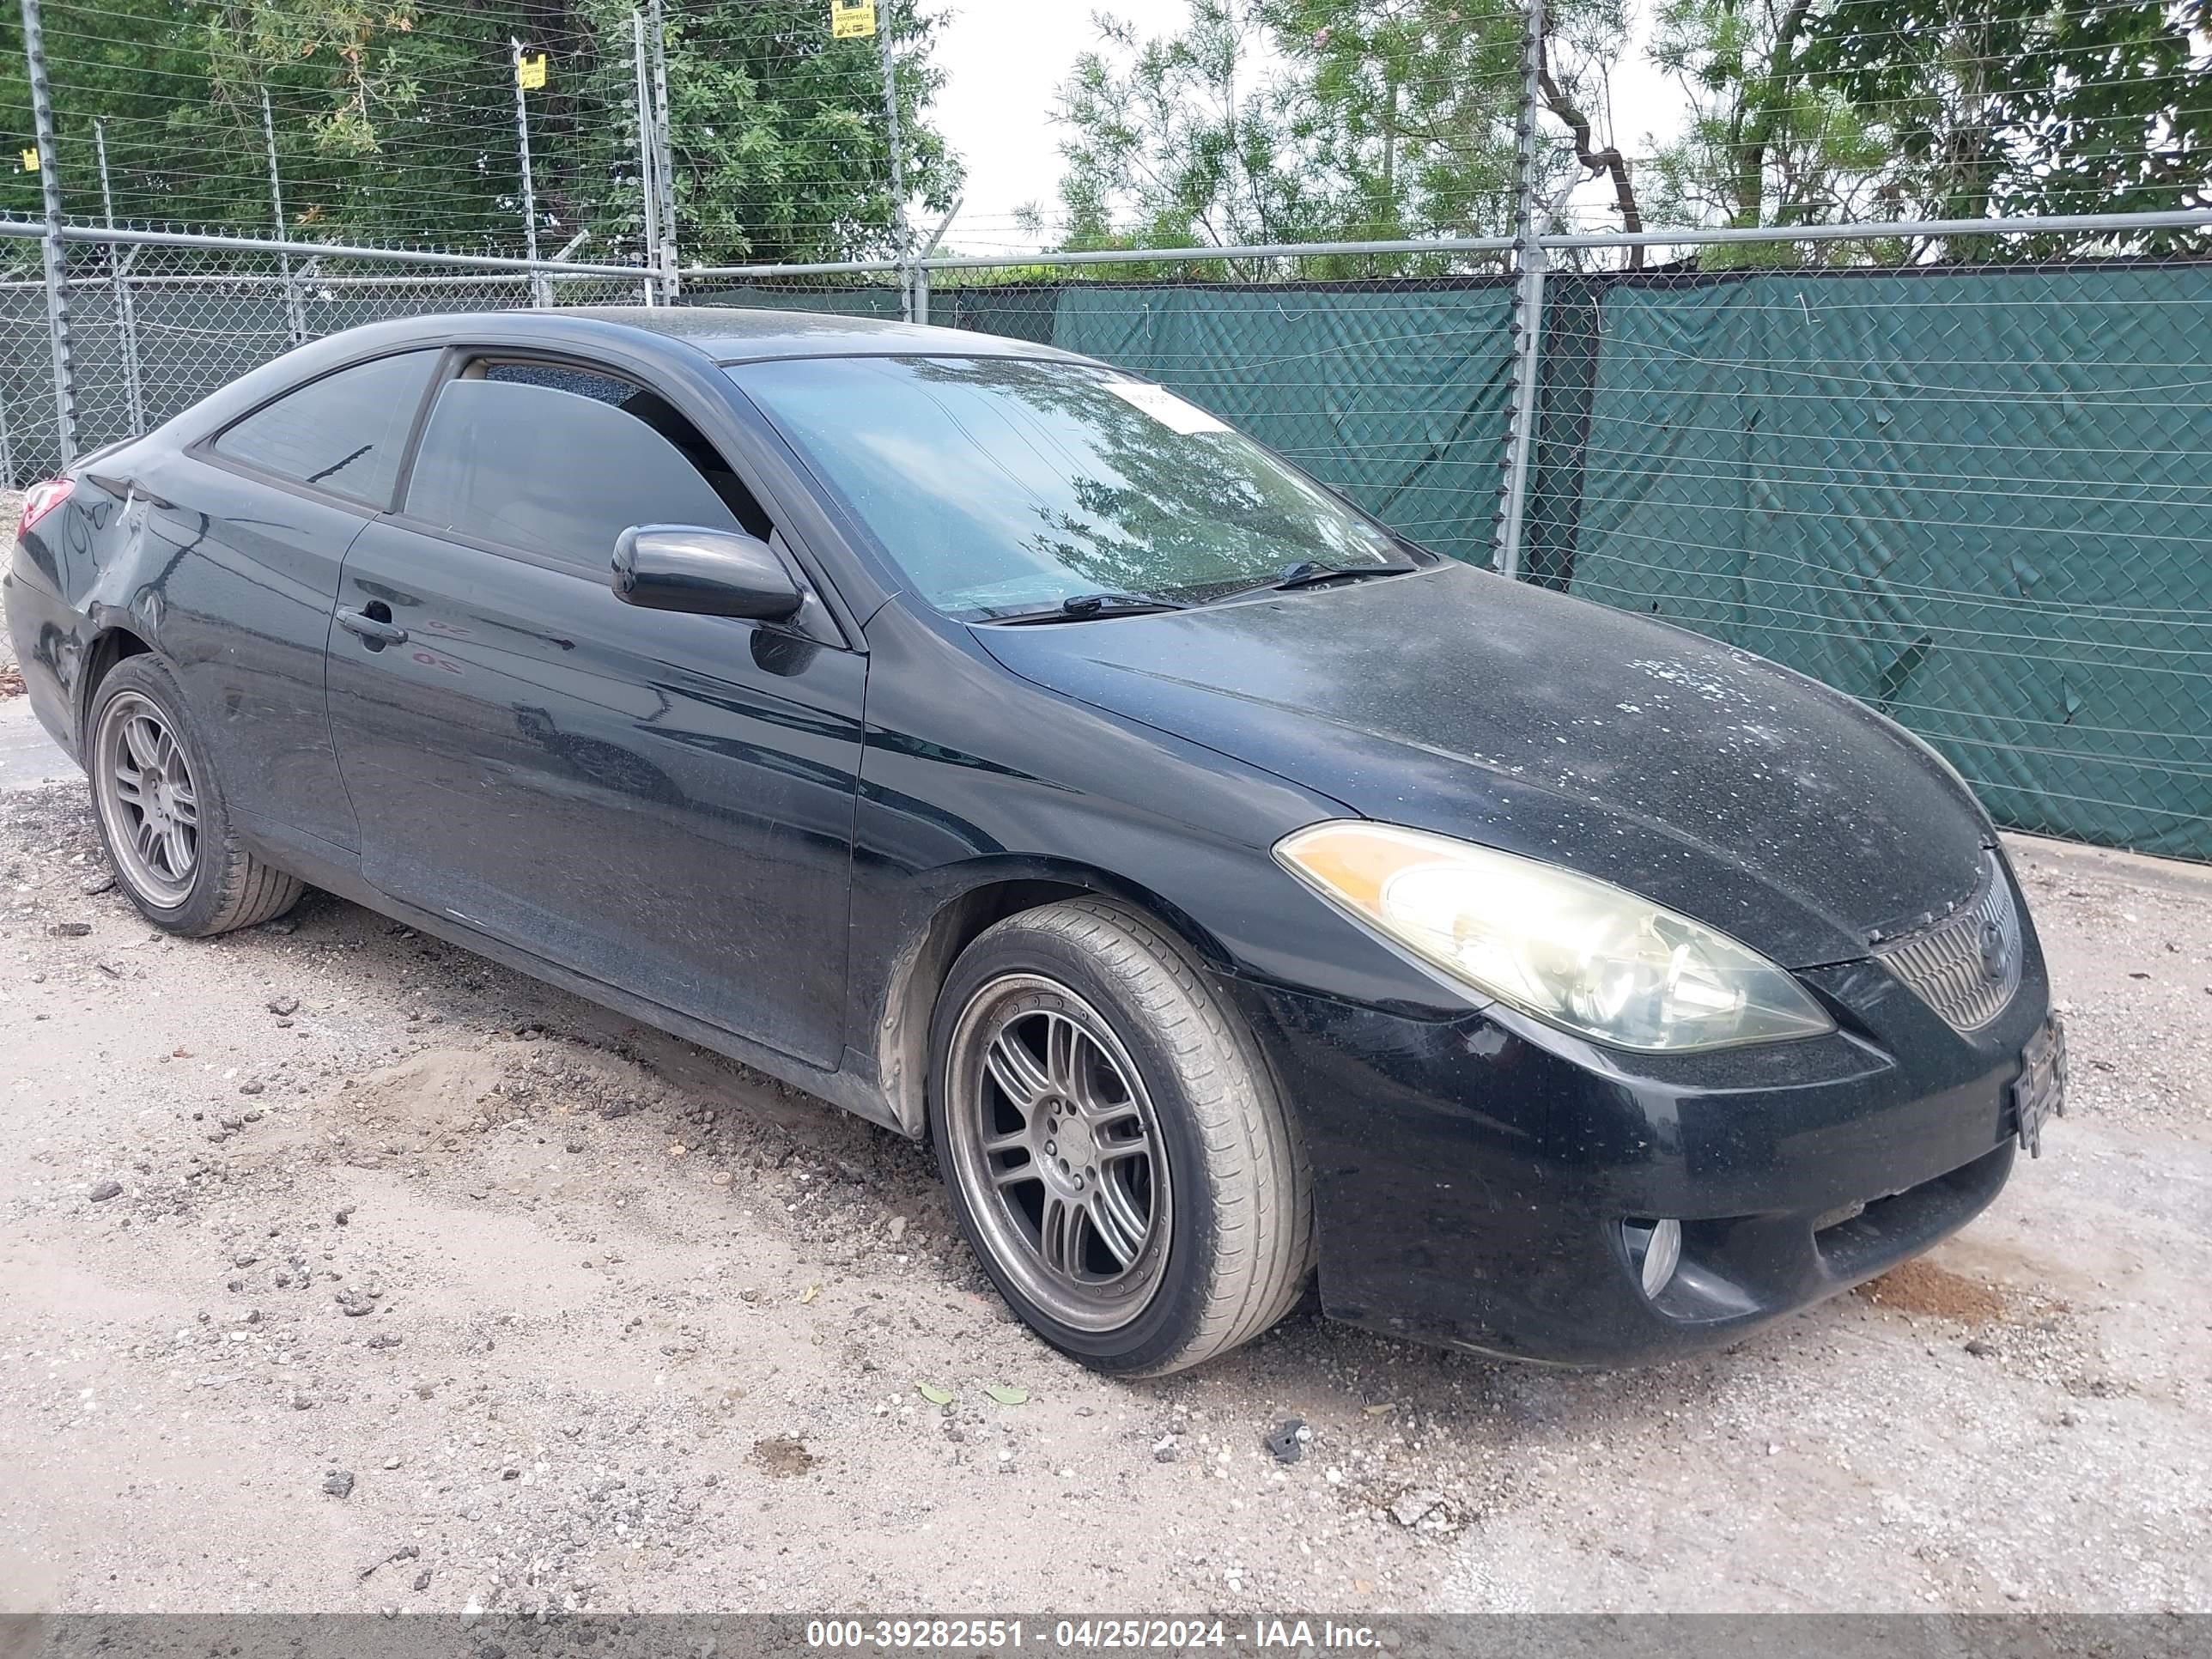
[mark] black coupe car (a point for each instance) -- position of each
(999, 747)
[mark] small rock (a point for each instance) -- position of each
(896, 1228)
(338, 1483)
(422, 1579)
(1415, 1507)
(344, 1215)
(1288, 1443)
(281, 925)
(251, 1087)
(390, 1463)
(104, 1190)
(92, 885)
(283, 1005)
(355, 1303)
(68, 929)
(1164, 1450)
(575, 1145)
(1980, 1349)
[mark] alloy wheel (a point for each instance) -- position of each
(1059, 1152)
(148, 799)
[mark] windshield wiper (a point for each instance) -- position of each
(1077, 607)
(1311, 572)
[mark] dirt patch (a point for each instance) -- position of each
(11, 683)
(1922, 1287)
(782, 1456)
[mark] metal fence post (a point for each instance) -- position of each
(1528, 260)
(898, 159)
(295, 316)
(664, 145)
(126, 319)
(539, 288)
(57, 253)
(648, 161)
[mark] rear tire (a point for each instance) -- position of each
(1117, 1152)
(162, 812)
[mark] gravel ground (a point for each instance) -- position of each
(341, 1269)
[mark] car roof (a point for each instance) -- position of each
(734, 333)
(726, 334)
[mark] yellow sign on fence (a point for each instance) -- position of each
(30, 160)
(851, 20)
(530, 72)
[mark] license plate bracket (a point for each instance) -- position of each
(2038, 1094)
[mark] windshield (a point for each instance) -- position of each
(1001, 486)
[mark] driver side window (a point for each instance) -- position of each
(558, 461)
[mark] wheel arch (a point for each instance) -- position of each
(108, 647)
(991, 891)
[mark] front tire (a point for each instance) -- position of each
(1117, 1152)
(162, 812)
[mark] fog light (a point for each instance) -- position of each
(1656, 1248)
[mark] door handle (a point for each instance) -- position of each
(376, 632)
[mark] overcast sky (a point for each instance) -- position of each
(1006, 60)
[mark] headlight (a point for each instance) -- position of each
(1567, 948)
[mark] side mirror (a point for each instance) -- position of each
(708, 572)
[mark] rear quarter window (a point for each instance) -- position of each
(345, 432)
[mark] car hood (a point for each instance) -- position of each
(1719, 784)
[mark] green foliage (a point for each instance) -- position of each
(1813, 111)
(2029, 106)
(395, 121)
(1315, 120)
(1184, 141)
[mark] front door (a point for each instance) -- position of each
(662, 802)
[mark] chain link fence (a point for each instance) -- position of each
(1963, 485)
(1973, 495)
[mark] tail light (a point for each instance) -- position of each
(41, 499)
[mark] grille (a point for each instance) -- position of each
(1967, 966)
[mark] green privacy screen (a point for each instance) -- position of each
(1976, 499)
(1393, 393)
(1979, 499)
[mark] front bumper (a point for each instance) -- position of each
(1472, 1176)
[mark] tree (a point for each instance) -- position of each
(2028, 107)
(1764, 144)
(1326, 121)
(395, 120)
(1807, 111)
(779, 132)
(1186, 141)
